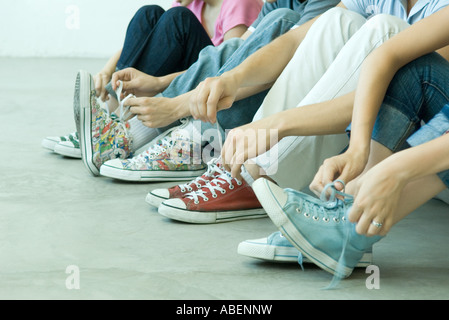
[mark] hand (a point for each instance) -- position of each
(154, 112)
(212, 95)
(376, 198)
(247, 142)
(101, 79)
(345, 167)
(135, 82)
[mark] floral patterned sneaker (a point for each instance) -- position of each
(103, 136)
(65, 145)
(173, 157)
(157, 196)
(222, 199)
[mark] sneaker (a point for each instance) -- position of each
(277, 248)
(157, 196)
(319, 229)
(173, 157)
(103, 136)
(222, 199)
(70, 143)
(69, 148)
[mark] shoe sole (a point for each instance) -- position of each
(49, 144)
(274, 253)
(209, 217)
(67, 151)
(154, 200)
(288, 229)
(148, 176)
(267, 252)
(83, 116)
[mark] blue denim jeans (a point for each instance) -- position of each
(214, 61)
(418, 94)
(160, 42)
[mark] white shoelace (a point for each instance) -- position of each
(213, 186)
(124, 111)
(212, 168)
(166, 142)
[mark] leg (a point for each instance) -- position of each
(216, 60)
(303, 155)
(184, 35)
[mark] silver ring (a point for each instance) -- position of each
(376, 224)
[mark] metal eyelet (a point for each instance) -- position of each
(316, 218)
(206, 199)
(326, 219)
(223, 191)
(189, 189)
(307, 215)
(214, 195)
(183, 190)
(298, 210)
(231, 187)
(196, 202)
(336, 220)
(239, 183)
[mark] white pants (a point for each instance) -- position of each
(326, 65)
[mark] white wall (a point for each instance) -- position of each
(66, 28)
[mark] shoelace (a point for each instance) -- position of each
(340, 209)
(124, 111)
(213, 186)
(164, 143)
(334, 206)
(212, 168)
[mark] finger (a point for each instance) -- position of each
(116, 76)
(229, 151)
(355, 213)
(211, 113)
(315, 185)
(201, 101)
(328, 173)
(363, 223)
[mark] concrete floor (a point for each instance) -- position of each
(53, 215)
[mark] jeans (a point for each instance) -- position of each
(419, 93)
(160, 42)
(214, 61)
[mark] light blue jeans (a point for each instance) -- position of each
(213, 61)
(419, 93)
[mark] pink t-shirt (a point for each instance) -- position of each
(232, 14)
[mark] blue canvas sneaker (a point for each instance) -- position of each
(318, 228)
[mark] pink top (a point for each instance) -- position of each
(232, 14)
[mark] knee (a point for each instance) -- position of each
(341, 15)
(422, 67)
(386, 23)
(177, 13)
(279, 14)
(148, 13)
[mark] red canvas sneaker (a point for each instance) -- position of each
(157, 196)
(222, 199)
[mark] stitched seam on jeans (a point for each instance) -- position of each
(436, 88)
